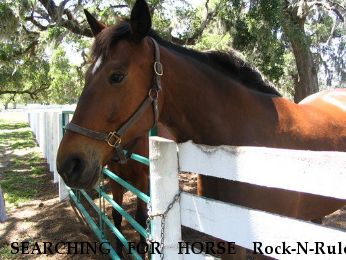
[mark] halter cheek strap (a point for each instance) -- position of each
(113, 138)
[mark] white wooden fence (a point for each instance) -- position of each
(321, 173)
(46, 124)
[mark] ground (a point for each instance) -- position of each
(35, 213)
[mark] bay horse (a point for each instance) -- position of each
(138, 79)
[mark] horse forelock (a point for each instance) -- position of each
(108, 37)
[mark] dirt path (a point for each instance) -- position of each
(35, 213)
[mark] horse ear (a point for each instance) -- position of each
(140, 20)
(95, 26)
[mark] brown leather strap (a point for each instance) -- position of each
(135, 116)
(86, 132)
(158, 68)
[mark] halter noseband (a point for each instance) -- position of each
(113, 138)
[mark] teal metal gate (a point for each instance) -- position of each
(103, 220)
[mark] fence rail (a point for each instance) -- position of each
(321, 173)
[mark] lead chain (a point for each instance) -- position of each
(163, 222)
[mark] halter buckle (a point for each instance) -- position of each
(158, 68)
(113, 139)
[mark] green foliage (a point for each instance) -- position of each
(34, 56)
(19, 73)
(190, 19)
(65, 83)
(9, 22)
(255, 31)
(328, 40)
(162, 25)
(214, 41)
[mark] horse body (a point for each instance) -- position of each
(213, 109)
(241, 116)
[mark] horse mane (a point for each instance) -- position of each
(229, 63)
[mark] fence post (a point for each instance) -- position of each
(56, 141)
(63, 192)
(164, 185)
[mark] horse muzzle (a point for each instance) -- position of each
(79, 173)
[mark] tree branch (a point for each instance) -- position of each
(32, 93)
(36, 23)
(71, 24)
(330, 6)
(198, 33)
(332, 32)
(337, 5)
(118, 6)
(31, 47)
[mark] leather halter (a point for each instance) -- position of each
(113, 138)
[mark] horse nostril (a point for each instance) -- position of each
(74, 168)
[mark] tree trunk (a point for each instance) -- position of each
(307, 80)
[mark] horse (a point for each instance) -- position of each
(138, 79)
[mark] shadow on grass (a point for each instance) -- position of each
(26, 178)
(23, 176)
(5, 125)
(20, 175)
(19, 139)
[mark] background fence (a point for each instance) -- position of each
(46, 123)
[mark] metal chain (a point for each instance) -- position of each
(163, 222)
(148, 238)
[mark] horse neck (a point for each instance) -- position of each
(206, 106)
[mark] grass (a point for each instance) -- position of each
(5, 253)
(23, 173)
(17, 136)
(6, 125)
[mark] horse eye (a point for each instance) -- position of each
(116, 78)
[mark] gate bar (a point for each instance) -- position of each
(113, 228)
(126, 185)
(140, 159)
(92, 224)
(126, 215)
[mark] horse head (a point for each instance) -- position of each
(119, 100)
